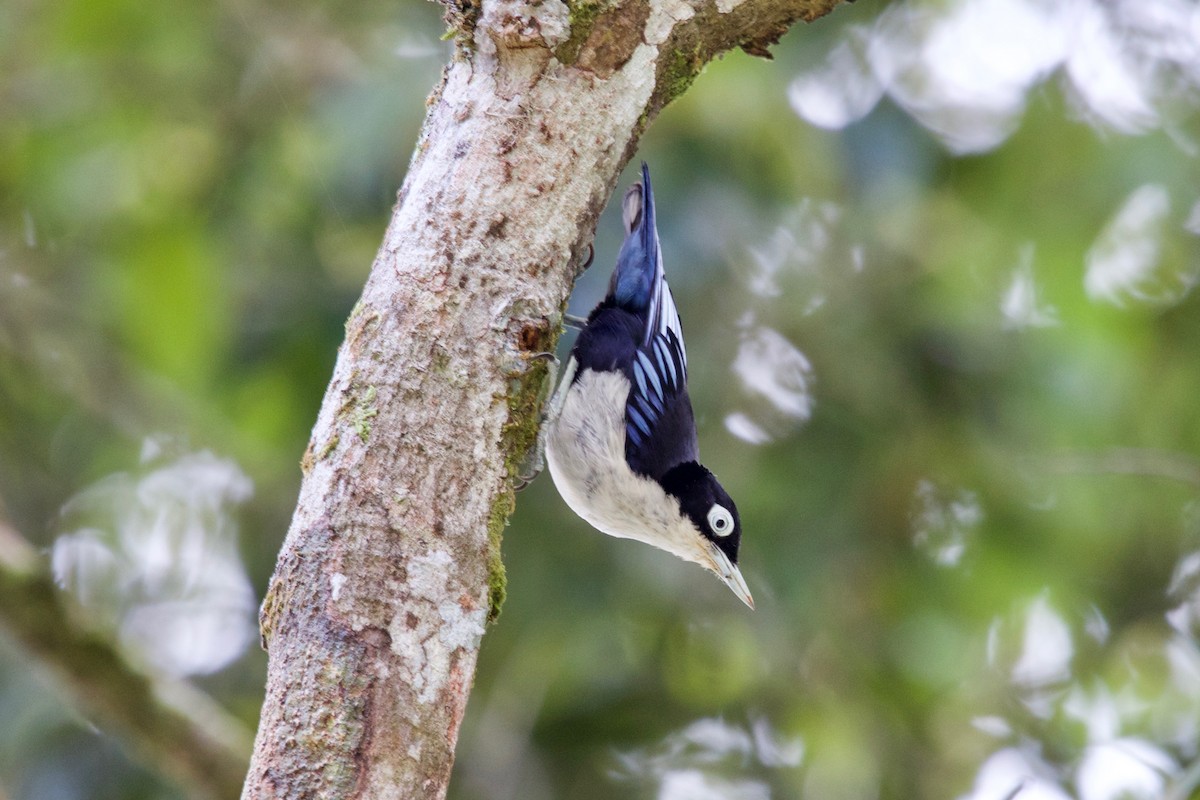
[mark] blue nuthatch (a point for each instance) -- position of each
(622, 445)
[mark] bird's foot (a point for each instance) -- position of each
(591, 257)
(536, 462)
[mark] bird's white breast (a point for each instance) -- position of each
(586, 456)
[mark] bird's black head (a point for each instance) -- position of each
(710, 508)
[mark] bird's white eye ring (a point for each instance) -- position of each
(720, 520)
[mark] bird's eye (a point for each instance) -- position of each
(720, 520)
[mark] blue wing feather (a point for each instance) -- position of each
(660, 430)
(649, 377)
(638, 428)
(636, 330)
(639, 283)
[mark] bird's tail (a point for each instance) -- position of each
(637, 280)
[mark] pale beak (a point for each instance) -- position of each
(729, 573)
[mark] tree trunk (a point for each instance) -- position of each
(391, 567)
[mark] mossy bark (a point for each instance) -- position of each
(391, 567)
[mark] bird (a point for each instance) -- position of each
(622, 446)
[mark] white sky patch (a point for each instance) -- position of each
(1124, 259)
(156, 557)
(800, 246)
(1176, 711)
(1184, 662)
(1020, 305)
(1185, 590)
(1012, 774)
(971, 53)
(773, 749)
(943, 526)
(1047, 648)
(716, 737)
(964, 68)
(691, 784)
(30, 229)
(1185, 574)
(1095, 625)
(1102, 75)
(775, 378)
(746, 429)
(772, 367)
(992, 726)
(843, 90)
(769, 260)
(1099, 710)
(1192, 223)
(1124, 769)
(703, 760)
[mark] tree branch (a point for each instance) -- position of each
(169, 726)
(391, 566)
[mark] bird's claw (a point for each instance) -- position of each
(536, 462)
(591, 257)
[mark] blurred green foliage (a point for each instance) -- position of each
(989, 454)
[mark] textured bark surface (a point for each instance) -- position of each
(391, 566)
